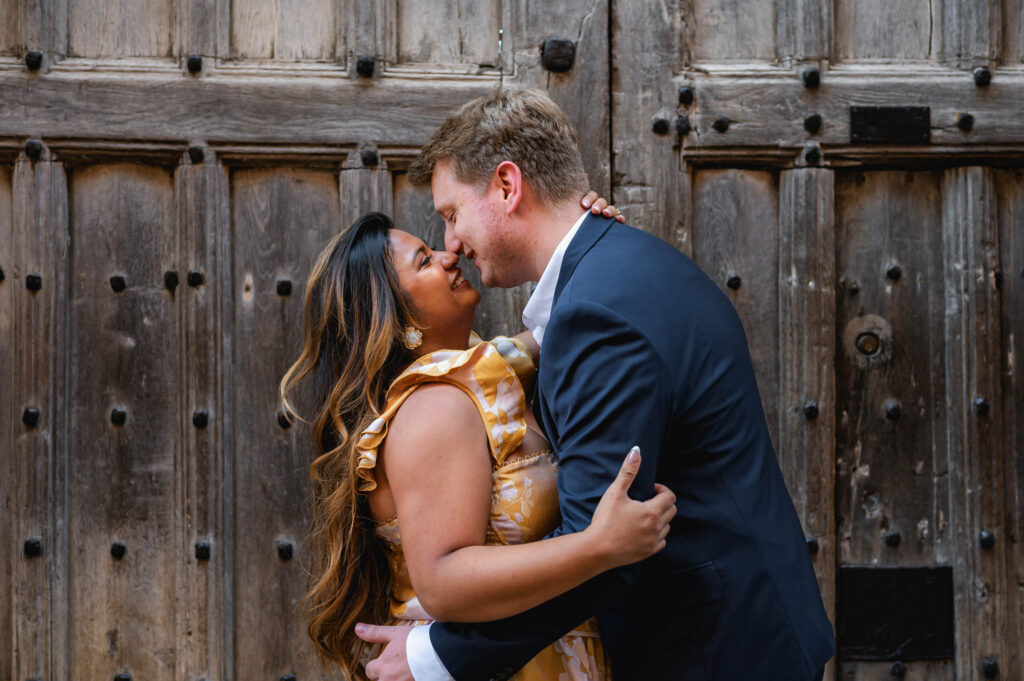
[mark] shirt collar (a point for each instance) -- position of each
(538, 309)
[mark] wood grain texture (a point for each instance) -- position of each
(807, 333)
(884, 29)
(1012, 39)
(361, 190)
(972, 334)
(122, 28)
(733, 29)
(803, 29)
(445, 32)
(281, 219)
(12, 40)
(8, 425)
(971, 32)
(285, 30)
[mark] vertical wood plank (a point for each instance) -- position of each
(970, 242)
(803, 29)
(731, 29)
(12, 39)
(1012, 40)
(361, 190)
(34, 25)
(873, 29)
(8, 426)
(40, 242)
(122, 28)
(971, 32)
(200, 20)
(287, 30)
(446, 32)
(281, 219)
(807, 332)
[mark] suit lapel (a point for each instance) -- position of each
(589, 233)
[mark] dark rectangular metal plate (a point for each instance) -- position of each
(890, 124)
(895, 613)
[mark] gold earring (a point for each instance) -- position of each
(413, 337)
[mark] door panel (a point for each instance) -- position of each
(122, 28)
(290, 30)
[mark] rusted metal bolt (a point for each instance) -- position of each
(196, 154)
(33, 60)
(284, 287)
(868, 343)
(195, 278)
(117, 550)
(283, 420)
(898, 669)
(811, 77)
(734, 281)
(685, 95)
(721, 124)
(987, 539)
(965, 121)
(194, 63)
(33, 547)
(117, 283)
(981, 406)
(892, 538)
(171, 280)
(982, 76)
(33, 149)
(989, 668)
(284, 550)
(202, 549)
(200, 419)
(811, 410)
(892, 410)
(812, 155)
(659, 126)
(118, 416)
(30, 417)
(683, 126)
(812, 123)
(894, 272)
(33, 282)
(558, 54)
(369, 157)
(812, 546)
(365, 66)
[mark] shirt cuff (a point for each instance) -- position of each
(424, 663)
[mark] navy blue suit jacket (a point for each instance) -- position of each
(643, 348)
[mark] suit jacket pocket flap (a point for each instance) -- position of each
(695, 584)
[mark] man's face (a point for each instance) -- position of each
(477, 224)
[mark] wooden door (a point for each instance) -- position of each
(849, 171)
(168, 171)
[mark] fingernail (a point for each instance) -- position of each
(634, 455)
(360, 628)
(586, 203)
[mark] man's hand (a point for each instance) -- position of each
(391, 664)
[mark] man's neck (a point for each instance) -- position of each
(550, 224)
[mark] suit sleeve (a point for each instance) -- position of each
(607, 391)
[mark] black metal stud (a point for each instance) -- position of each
(659, 126)
(123, 676)
(686, 95)
(965, 121)
(30, 417)
(287, 677)
(812, 155)
(981, 406)
(171, 280)
(989, 668)
(34, 149)
(118, 416)
(853, 288)
(365, 66)
(196, 154)
(284, 550)
(898, 669)
(117, 550)
(892, 410)
(194, 63)
(811, 77)
(812, 546)
(721, 124)
(868, 343)
(683, 125)
(982, 76)
(117, 283)
(892, 538)
(369, 157)
(33, 282)
(812, 123)
(200, 419)
(33, 547)
(987, 539)
(811, 410)
(33, 60)
(202, 549)
(2, 275)
(284, 287)
(283, 420)
(894, 272)
(195, 278)
(558, 54)
(734, 281)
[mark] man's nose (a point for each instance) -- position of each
(448, 259)
(451, 242)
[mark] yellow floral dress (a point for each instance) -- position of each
(524, 500)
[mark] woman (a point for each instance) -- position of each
(419, 424)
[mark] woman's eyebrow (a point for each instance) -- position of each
(421, 249)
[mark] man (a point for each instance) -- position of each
(638, 346)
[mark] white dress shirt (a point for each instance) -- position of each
(423, 661)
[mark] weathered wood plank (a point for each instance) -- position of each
(882, 29)
(281, 219)
(361, 190)
(39, 452)
(285, 30)
(122, 485)
(1012, 21)
(12, 38)
(807, 333)
(971, 32)
(9, 425)
(199, 26)
(970, 240)
(803, 29)
(445, 32)
(731, 29)
(122, 28)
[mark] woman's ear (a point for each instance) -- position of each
(509, 181)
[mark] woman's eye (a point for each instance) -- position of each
(425, 261)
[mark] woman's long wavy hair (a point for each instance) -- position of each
(356, 314)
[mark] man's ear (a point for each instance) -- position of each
(508, 180)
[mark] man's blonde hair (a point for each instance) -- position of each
(522, 126)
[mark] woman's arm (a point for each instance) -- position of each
(439, 474)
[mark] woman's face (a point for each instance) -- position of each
(444, 301)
